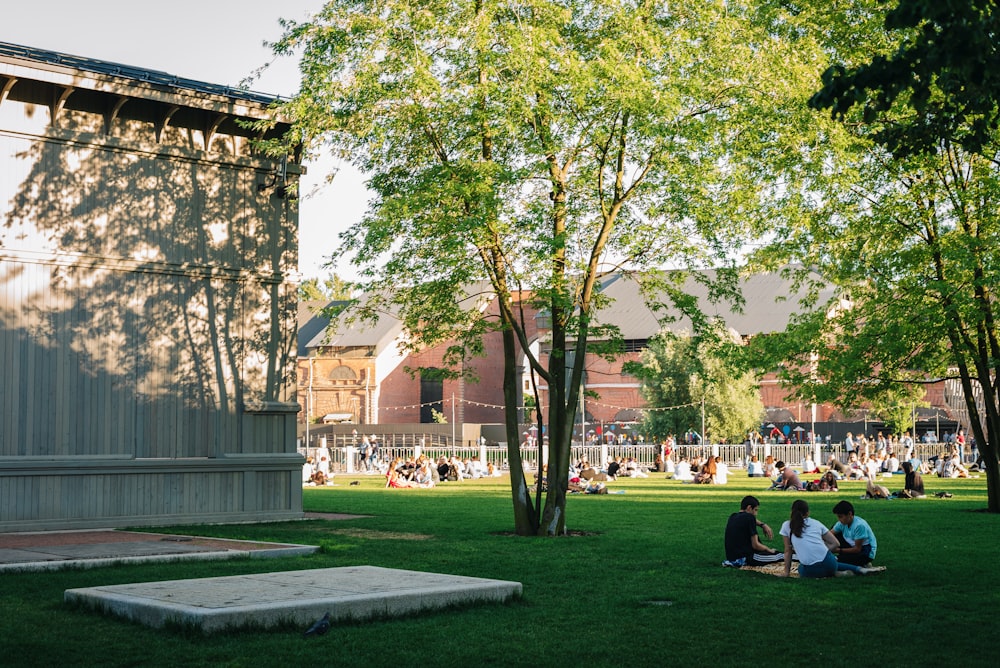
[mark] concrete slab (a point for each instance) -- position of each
(297, 597)
(47, 551)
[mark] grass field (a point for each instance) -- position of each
(642, 586)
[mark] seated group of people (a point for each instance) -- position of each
(617, 467)
(317, 473)
(411, 473)
(700, 471)
(422, 472)
(848, 548)
(788, 479)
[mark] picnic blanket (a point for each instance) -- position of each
(774, 569)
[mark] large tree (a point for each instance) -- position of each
(909, 232)
(529, 147)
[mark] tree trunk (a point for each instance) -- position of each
(560, 434)
(525, 520)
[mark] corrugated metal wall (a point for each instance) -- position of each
(144, 304)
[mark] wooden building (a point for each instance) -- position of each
(147, 300)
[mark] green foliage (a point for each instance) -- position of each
(660, 543)
(940, 83)
(525, 148)
(332, 288)
(910, 241)
(678, 372)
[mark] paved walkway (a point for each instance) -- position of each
(257, 600)
(52, 550)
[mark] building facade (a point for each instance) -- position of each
(359, 373)
(147, 300)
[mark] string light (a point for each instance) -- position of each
(480, 404)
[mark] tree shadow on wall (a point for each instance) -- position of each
(144, 301)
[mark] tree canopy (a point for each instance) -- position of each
(944, 70)
(530, 147)
(910, 237)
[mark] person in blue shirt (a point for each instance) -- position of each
(857, 540)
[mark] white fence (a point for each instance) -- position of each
(347, 459)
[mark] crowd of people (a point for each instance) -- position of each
(424, 472)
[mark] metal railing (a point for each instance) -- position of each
(347, 459)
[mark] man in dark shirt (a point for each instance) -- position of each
(743, 547)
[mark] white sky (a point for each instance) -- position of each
(216, 41)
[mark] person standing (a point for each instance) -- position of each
(960, 442)
(743, 546)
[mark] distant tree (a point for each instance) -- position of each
(332, 288)
(896, 407)
(678, 372)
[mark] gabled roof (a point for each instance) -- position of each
(152, 77)
(770, 302)
(315, 330)
(311, 322)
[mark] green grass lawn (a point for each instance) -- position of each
(642, 587)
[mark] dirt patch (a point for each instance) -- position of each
(370, 534)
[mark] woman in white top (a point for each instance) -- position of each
(721, 472)
(814, 545)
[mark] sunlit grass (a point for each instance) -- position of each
(642, 586)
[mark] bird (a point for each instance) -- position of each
(319, 627)
(355, 482)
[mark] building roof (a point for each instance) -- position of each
(317, 331)
(770, 302)
(152, 77)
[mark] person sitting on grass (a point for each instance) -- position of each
(814, 545)
(788, 478)
(721, 472)
(394, 477)
(854, 535)
(743, 546)
(840, 469)
(706, 475)
(683, 471)
(913, 485)
(826, 483)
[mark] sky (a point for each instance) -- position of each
(215, 41)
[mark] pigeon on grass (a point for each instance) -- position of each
(319, 627)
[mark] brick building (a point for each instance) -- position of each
(383, 392)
